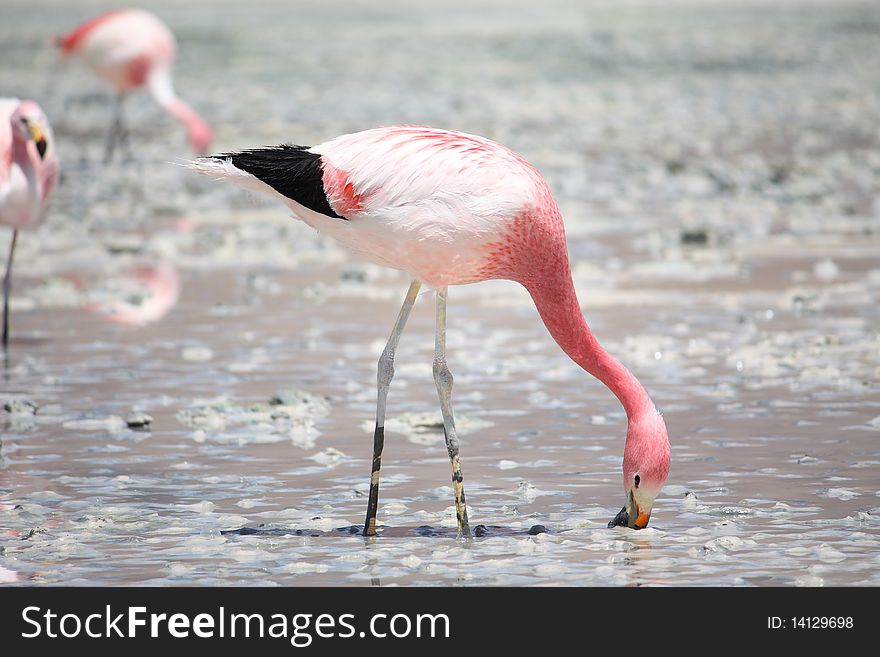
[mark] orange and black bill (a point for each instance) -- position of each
(630, 516)
(39, 138)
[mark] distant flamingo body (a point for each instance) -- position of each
(28, 175)
(145, 294)
(451, 208)
(131, 49)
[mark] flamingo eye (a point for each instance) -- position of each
(638, 480)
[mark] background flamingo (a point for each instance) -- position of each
(28, 174)
(131, 49)
(143, 294)
(451, 208)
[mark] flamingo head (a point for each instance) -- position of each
(200, 134)
(645, 468)
(31, 126)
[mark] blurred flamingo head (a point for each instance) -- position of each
(200, 135)
(31, 126)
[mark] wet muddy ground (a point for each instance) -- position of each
(717, 164)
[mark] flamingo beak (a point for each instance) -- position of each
(630, 515)
(39, 138)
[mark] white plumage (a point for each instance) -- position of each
(113, 44)
(423, 200)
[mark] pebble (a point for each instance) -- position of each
(329, 457)
(20, 407)
(138, 420)
(197, 354)
(826, 270)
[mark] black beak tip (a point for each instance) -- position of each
(41, 147)
(620, 520)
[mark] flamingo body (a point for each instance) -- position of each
(27, 178)
(435, 203)
(122, 47)
(131, 49)
(451, 208)
(28, 175)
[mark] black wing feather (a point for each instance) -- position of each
(290, 170)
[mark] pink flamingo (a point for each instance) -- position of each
(28, 174)
(451, 208)
(144, 295)
(131, 49)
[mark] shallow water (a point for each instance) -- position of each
(717, 168)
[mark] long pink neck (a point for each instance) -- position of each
(197, 129)
(532, 251)
(29, 164)
(6, 141)
(558, 306)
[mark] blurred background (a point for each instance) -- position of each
(717, 165)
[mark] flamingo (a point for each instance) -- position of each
(28, 174)
(130, 49)
(145, 293)
(451, 208)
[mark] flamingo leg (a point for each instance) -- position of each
(7, 288)
(383, 378)
(118, 131)
(443, 379)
